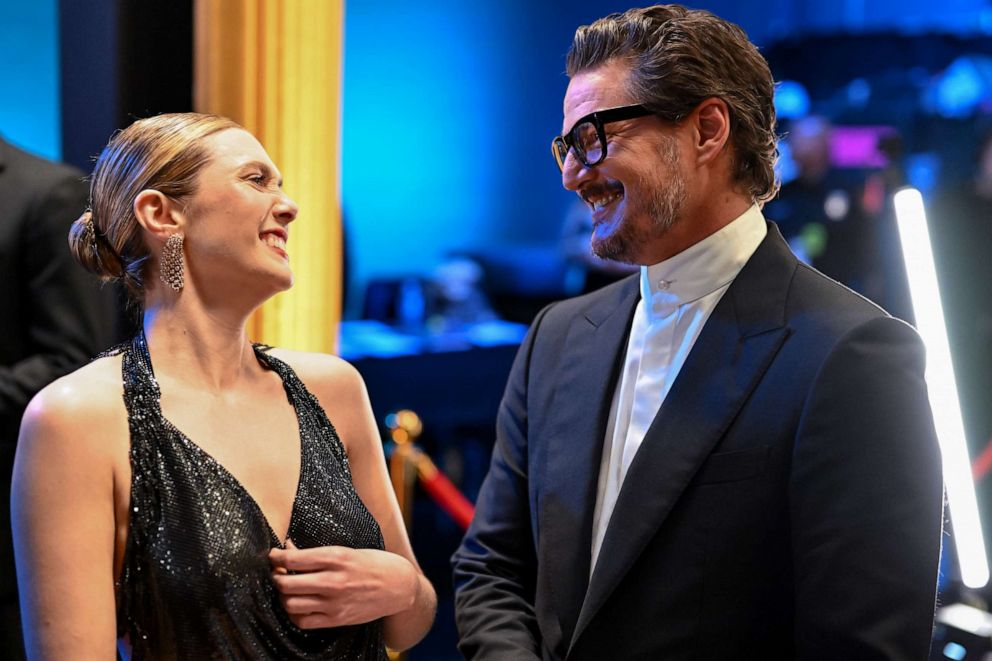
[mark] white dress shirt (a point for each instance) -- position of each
(677, 297)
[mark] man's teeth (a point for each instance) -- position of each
(275, 241)
(598, 203)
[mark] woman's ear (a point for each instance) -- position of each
(158, 214)
(712, 121)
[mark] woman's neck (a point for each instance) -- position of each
(207, 350)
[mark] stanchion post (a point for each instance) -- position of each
(404, 429)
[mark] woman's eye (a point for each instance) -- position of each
(257, 179)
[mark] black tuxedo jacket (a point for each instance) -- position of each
(53, 315)
(786, 501)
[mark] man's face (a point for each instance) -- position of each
(638, 192)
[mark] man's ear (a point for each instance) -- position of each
(711, 120)
(158, 214)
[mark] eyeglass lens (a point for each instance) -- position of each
(586, 141)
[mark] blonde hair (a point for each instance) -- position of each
(163, 153)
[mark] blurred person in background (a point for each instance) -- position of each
(55, 318)
(819, 212)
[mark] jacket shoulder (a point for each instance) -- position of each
(816, 302)
(27, 175)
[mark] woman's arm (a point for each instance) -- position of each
(368, 466)
(346, 586)
(62, 507)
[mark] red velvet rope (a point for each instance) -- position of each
(981, 466)
(448, 497)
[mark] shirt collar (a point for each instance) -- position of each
(703, 267)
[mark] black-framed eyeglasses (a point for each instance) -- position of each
(588, 137)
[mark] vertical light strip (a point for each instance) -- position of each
(275, 66)
(929, 313)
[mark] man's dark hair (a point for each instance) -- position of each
(680, 57)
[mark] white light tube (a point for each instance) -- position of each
(922, 275)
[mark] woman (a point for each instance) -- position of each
(207, 500)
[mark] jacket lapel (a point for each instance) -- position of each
(574, 441)
(733, 351)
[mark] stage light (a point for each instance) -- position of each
(922, 276)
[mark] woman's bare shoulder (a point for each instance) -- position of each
(340, 390)
(85, 404)
(323, 372)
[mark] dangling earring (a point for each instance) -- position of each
(171, 262)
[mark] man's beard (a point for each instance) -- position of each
(664, 209)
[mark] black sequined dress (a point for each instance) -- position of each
(196, 578)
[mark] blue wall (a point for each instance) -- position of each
(447, 123)
(29, 75)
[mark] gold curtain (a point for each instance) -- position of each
(275, 67)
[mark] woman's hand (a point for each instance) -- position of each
(332, 586)
(342, 585)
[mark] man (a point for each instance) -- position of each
(727, 456)
(54, 318)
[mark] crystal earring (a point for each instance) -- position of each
(171, 262)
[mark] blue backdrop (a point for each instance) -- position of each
(29, 75)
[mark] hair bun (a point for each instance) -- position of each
(93, 254)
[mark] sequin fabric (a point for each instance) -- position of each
(196, 578)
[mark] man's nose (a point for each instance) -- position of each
(574, 172)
